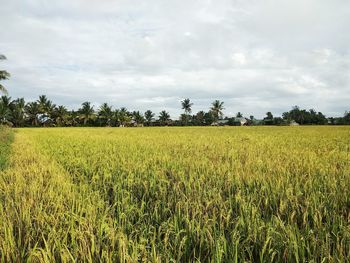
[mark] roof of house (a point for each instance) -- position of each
(222, 121)
(240, 119)
(293, 123)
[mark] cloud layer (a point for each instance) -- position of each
(256, 56)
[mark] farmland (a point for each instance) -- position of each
(6, 137)
(210, 194)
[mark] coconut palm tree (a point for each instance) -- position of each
(5, 113)
(50, 111)
(164, 117)
(46, 106)
(3, 76)
(86, 112)
(217, 107)
(6, 100)
(72, 118)
(200, 117)
(116, 114)
(17, 112)
(60, 115)
(138, 118)
(105, 113)
(187, 106)
(149, 116)
(32, 111)
(42, 102)
(122, 116)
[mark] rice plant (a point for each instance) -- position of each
(6, 137)
(230, 194)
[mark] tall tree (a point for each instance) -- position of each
(32, 111)
(269, 115)
(47, 109)
(187, 107)
(199, 118)
(209, 117)
(5, 113)
(346, 118)
(73, 118)
(60, 115)
(17, 112)
(42, 101)
(268, 120)
(86, 112)
(149, 116)
(164, 117)
(138, 117)
(105, 113)
(303, 116)
(239, 115)
(6, 100)
(184, 119)
(122, 116)
(5, 110)
(3, 76)
(216, 109)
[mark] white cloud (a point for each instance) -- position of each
(257, 56)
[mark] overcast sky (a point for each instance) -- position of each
(255, 55)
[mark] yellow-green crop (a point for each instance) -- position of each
(211, 194)
(6, 136)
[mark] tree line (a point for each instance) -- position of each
(43, 112)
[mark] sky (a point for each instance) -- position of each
(255, 55)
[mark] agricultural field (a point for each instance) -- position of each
(203, 194)
(6, 137)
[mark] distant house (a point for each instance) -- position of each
(240, 121)
(236, 121)
(131, 123)
(293, 123)
(220, 123)
(45, 120)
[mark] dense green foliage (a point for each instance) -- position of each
(44, 112)
(3, 76)
(304, 116)
(243, 194)
(6, 136)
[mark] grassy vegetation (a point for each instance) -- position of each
(241, 194)
(6, 136)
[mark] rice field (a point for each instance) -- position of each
(6, 137)
(202, 194)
